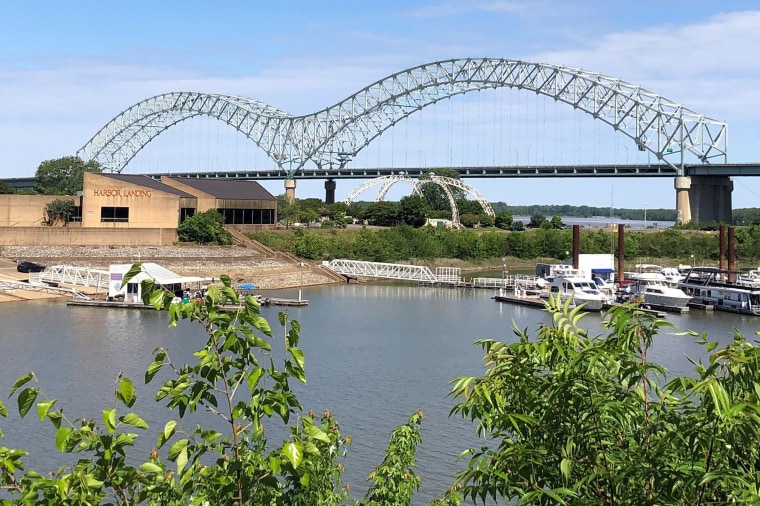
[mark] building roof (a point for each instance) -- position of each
(149, 182)
(157, 273)
(232, 189)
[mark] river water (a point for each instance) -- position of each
(374, 354)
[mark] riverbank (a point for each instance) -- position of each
(243, 265)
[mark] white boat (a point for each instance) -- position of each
(750, 278)
(653, 288)
(582, 292)
(720, 288)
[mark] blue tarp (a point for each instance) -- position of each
(247, 286)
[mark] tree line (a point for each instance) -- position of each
(403, 243)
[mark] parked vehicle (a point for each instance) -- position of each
(27, 266)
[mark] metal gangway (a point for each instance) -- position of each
(9, 285)
(360, 268)
(76, 276)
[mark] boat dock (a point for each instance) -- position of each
(136, 305)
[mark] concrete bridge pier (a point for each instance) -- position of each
(290, 191)
(330, 191)
(710, 198)
(683, 207)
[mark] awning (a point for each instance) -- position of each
(603, 271)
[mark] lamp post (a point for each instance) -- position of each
(503, 271)
(300, 286)
(645, 215)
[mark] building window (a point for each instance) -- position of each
(77, 214)
(114, 214)
(247, 216)
(185, 213)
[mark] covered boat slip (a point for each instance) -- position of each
(132, 291)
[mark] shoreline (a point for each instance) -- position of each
(243, 265)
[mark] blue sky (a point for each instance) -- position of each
(66, 69)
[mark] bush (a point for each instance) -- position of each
(204, 228)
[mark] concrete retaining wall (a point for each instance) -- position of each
(69, 236)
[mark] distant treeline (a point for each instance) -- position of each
(402, 243)
(746, 216)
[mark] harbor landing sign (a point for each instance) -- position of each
(109, 192)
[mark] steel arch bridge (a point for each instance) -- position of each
(333, 136)
(445, 183)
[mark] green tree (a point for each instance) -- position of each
(384, 214)
(556, 222)
(5, 188)
(580, 419)
(537, 220)
(204, 228)
(59, 211)
(504, 220)
(63, 176)
(311, 246)
(434, 194)
(412, 210)
(469, 220)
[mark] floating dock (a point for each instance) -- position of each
(136, 305)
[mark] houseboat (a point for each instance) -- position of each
(721, 289)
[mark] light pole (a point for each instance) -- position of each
(503, 271)
(300, 286)
(645, 215)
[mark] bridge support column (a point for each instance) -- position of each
(290, 191)
(683, 207)
(330, 191)
(710, 198)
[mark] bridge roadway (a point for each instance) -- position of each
(601, 170)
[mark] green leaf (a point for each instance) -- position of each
(566, 466)
(177, 448)
(43, 408)
(153, 368)
(21, 381)
(109, 419)
(298, 355)
(313, 431)
(3, 410)
(181, 461)
(157, 299)
(167, 433)
(150, 467)
(61, 436)
(126, 392)
(294, 453)
(131, 273)
(134, 420)
(25, 400)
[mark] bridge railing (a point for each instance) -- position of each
(70, 275)
(420, 273)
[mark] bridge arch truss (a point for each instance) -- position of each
(445, 183)
(334, 135)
